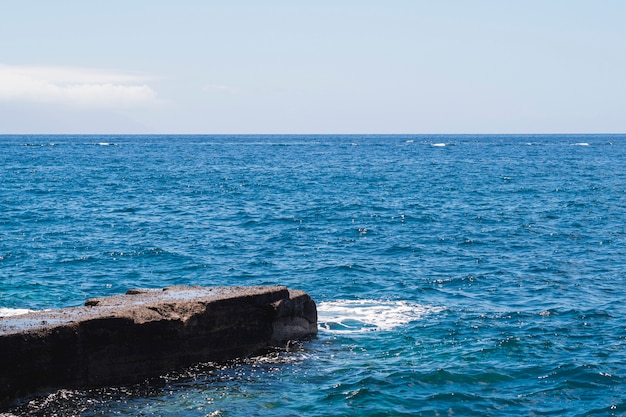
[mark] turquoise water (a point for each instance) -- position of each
(454, 275)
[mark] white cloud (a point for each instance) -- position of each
(84, 87)
(221, 88)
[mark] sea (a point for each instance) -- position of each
(454, 275)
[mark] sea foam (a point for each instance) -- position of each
(8, 312)
(358, 316)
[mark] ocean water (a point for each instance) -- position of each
(454, 275)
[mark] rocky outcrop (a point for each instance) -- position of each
(144, 333)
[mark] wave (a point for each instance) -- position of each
(359, 316)
(9, 312)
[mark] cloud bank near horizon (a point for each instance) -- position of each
(75, 86)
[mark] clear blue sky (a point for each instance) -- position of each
(393, 66)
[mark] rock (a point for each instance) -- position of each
(145, 333)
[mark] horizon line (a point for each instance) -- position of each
(317, 134)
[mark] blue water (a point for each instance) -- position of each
(454, 275)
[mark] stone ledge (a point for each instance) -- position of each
(126, 338)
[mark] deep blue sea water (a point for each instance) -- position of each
(454, 275)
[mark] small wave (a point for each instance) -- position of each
(441, 145)
(359, 316)
(581, 144)
(9, 312)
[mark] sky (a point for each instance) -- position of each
(312, 67)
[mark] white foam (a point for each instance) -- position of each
(8, 312)
(438, 144)
(358, 316)
(581, 144)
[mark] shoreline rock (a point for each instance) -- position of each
(145, 333)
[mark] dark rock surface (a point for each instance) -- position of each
(145, 333)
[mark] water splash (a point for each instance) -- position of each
(9, 312)
(359, 316)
